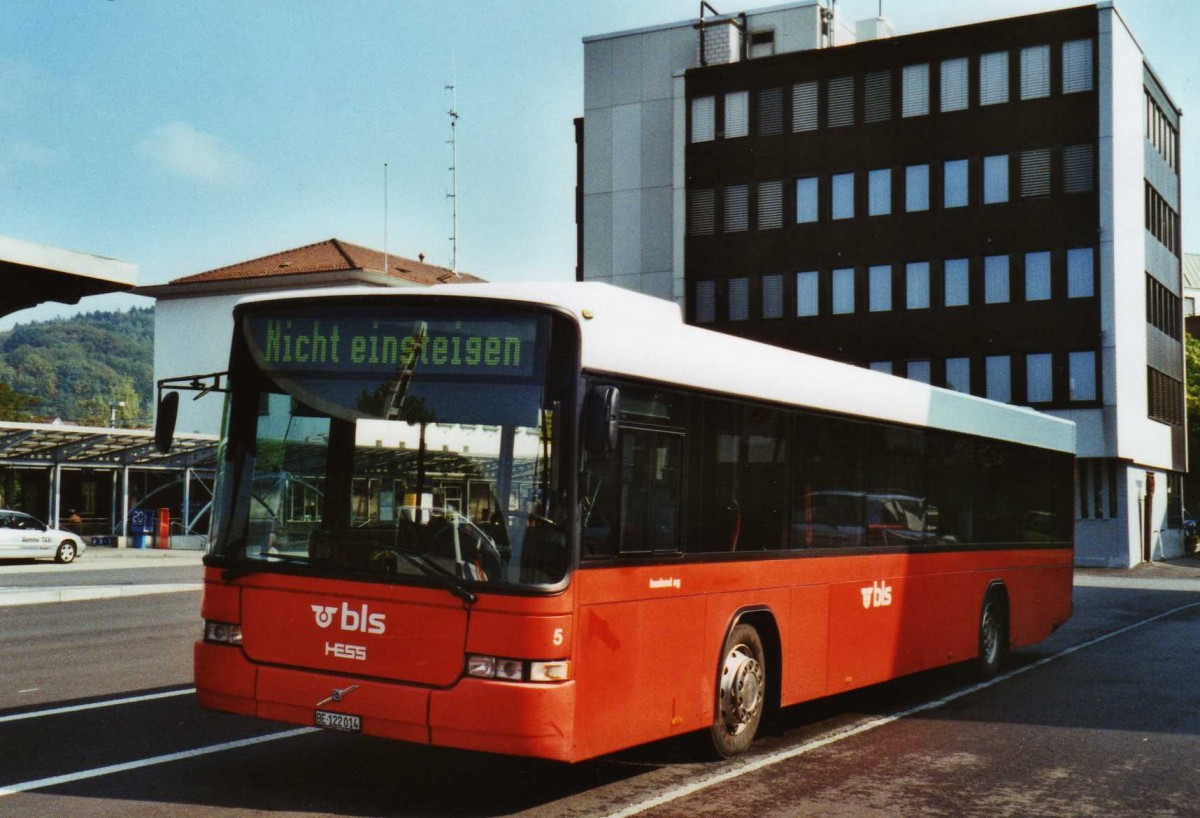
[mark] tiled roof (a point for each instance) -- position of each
(329, 256)
(1191, 271)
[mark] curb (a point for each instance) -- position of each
(40, 596)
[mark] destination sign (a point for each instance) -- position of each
(355, 344)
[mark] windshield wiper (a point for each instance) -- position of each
(253, 566)
(442, 578)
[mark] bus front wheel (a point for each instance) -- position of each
(741, 692)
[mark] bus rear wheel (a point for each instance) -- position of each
(741, 692)
(993, 635)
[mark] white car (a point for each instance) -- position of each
(23, 536)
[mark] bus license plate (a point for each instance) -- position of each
(338, 721)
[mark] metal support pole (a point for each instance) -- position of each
(187, 501)
(55, 495)
(124, 529)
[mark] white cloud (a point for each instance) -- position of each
(185, 151)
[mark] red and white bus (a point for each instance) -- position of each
(556, 521)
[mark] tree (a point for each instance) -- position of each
(15, 405)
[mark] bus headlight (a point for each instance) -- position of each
(222, 633)
(517, 670)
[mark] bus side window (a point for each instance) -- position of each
(632, 498)
(650, 490)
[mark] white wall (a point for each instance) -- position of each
(192, 337)
(634, 138)
(1123, 247)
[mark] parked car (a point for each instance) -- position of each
(23, 536)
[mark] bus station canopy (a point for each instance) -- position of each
(54, 274)
(44, 444)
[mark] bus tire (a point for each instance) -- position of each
(993, 634)
(65, 552)
(741, 692)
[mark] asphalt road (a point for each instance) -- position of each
(1110, 729)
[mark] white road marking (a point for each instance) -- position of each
(872, 724)
(29, 690)
(75, 708)
(113, 769)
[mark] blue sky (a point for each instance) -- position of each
(187, 136)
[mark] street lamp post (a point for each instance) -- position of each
(112, 412)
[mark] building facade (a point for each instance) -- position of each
(992, 208)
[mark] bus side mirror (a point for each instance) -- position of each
(164, 423)
(601, 416)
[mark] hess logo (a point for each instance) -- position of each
(359, 620)
(876, 595)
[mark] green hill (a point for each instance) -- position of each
(75, 368)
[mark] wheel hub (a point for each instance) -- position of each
(741, 689)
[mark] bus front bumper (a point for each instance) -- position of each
(474, 714)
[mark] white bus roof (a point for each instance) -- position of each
(631, 334)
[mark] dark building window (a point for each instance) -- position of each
(772, 296)
(1081, 274)
(841, 102)
(705, 308)
(1079, 168)
(1161, 132)
(804, 107)
(916, 283)
(1163, 308)
(808, 200)
(1039, 378)
(1165, 397)
(915, 91)
(958, 374)
(954, 84)
(995, 179)
(993, 78)
(1035, 173)
(1082, 367)
(996, 284)
(704, 119)
(1161, 220)
(1035, 72)
(843, 291)
(737, 114)
(879, 288)
(701, 206)
(955, 191)
(842, 197)
(998, 371)
(1077, 66)
(956, 273)
(737, 208)
(1037, 276)
(770, 111)
(808, 293)
(770, 205)
(739, 299)
(916, 188)
(879, 192)
(877, 88)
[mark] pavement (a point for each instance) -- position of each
(99, 573)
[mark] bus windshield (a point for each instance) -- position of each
(387, 443)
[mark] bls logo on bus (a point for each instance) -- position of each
(359, 621)
(877, 595)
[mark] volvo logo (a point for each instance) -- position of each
(337, 695)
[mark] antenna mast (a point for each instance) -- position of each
(385, 218)
(453, 140)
